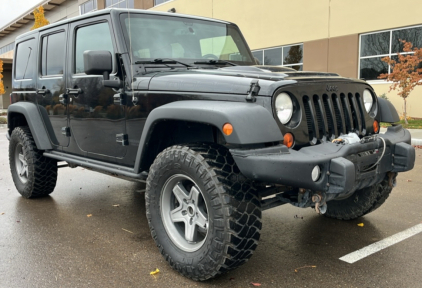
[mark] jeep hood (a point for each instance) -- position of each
(232, 80)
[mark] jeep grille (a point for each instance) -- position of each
(328, 116)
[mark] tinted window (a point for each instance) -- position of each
(293, 54)
(52, 54)
(413, 35)
(25, 57)
(375, 44)
(94, 37)
(259, 55)
(272, 56)
(371, 68)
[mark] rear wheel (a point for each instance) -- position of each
(362, 202)
(204, 216)
(33, 174)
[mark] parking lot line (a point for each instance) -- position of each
(378, 246)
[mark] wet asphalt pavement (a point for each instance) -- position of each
(92, 232)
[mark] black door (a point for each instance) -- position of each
(96, 122)
(51, 83)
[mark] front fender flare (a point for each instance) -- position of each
(388, 113)
(33, 118)
(252, 124)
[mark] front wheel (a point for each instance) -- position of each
(361, 202)
(204, 216)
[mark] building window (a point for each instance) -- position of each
(158, 2)
(7, 48)
(88, 6)
(289, 56)
(119, 4)
(375, 46)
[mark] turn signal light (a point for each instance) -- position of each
(227, 129)
(288, 140)
(376, 126)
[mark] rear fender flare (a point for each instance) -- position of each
(33, 118)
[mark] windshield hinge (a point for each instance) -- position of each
(253, 90)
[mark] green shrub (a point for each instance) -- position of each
(384, 96)
(3, 120)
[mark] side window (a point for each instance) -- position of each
(25, 57)
(93, 37)
(53, 49)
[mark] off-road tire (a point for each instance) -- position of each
(42, 171)
(233, 208)
(362, 202)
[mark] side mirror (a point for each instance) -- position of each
(100, 63)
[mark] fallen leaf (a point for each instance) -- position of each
(256, 284)
(154, 272)
(127, 230)
(116, 205)
(231, 278)
(361, 224)
(89, 215)
(2, 213)
(297, 269)
(408, 180)
(19, 221)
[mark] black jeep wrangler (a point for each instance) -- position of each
(178, 102)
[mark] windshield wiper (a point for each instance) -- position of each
(215, 62)
(163, 61)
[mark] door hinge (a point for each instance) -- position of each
(123, 139)
(66, 131)
(253, 90)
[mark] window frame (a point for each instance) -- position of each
(15, 52)
(282, 55)
(382, 81)
(41, 39)
(72, 57)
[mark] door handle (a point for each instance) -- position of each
(43, 91)
(74, 92)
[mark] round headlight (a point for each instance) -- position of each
(284, 107)
(368, 100)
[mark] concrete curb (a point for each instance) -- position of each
(3, 125)
(416, 142)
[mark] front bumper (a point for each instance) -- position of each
(344, 168)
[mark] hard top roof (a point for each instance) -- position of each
(117, 10)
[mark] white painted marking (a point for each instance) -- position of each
(378, 246)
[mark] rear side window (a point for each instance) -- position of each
(53, 51)
(25, 59)
(93, 37)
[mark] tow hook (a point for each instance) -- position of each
(320, 204)
(392, 179)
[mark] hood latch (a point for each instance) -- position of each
(253, 90)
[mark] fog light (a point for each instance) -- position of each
(316, 172)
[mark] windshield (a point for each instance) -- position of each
(157, 36)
